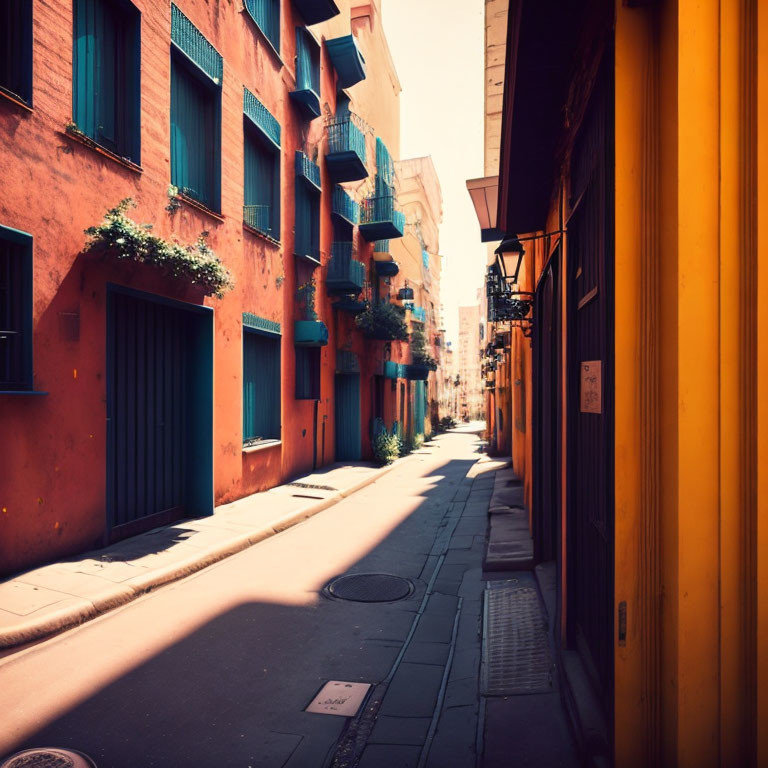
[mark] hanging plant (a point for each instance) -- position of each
(123, 238)
(383, 321)
(305, 295)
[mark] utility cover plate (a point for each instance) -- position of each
(337, 697)
(48, 757)
(516, 655)
(369, 587)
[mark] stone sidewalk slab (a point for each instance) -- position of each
(55, 597)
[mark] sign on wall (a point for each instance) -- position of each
(592, 386)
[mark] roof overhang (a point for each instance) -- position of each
(541, 40)
(485, 197)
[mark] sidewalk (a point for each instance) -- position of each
(49, 599)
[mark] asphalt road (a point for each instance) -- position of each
(217, 669)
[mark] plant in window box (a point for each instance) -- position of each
(122, 238)
(383, 321)
(305, 296)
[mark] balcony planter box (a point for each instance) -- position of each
(310, 333)
(347, 154)
(387, 268)
(345, 274)
(394, 370)
(347, 60)
(315, 11)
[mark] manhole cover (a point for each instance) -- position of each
(369, 587)
(48, 757)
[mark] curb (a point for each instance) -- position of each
(79, 610)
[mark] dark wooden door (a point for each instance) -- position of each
(148, 383)
(547, 371)
(347, 405)
(590, 522)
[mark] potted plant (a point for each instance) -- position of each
(421, 361)
(383, 321)
(308, 332)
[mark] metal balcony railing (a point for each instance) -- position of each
(345, 274)
(258, 217)
(345, 207)
(380, 219)
(347, 154)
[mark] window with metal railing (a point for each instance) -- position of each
(196, 76)
(105, 73)
(306, 95)
(307, 222)
(15, 311)
(266, 14)
(16, 49)
(261, 200)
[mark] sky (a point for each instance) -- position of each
(437, 47)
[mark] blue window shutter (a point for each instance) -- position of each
(195, 135)
(266, 14)
(261, 386)
(261, 171)
(307, 240)
(106, 69)
(307, 373)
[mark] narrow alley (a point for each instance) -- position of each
(218, 668)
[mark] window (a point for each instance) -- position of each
(15, 310)
(261, 209)
(196, 75)
(306, 95)
(261, 386)
(105, 92)
(16, 49)
(307, 373)
(307, 238)
(266, 14)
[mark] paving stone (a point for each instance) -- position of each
(426, 652)
(389, 756)
(413, 691)
(400, 730)
(448, 586)
(440, 603)
(455, 739)
(435, 627)
(466, 556)
(461, 541)
(465, 663)
(461, 692)
(453, 572)
(471, 526)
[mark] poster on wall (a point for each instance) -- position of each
(592, 386)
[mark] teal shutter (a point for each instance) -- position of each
(261, 386)
(307, 373)
(106, 75)
(307, 221)
(16, 48)
(196, 74)
(261, 185)
(266, 14)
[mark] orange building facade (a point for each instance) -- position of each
(629, 348)
(132, 395)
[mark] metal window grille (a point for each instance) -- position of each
(307, 62)
(261, 117)
(266, 14)
(261, 386)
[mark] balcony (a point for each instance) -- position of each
(419, 314)
(306, 95)
(346, 156)
(345, 274)
(380, 220)
(387, 268)
(347, 60)
(394, 370)
(381, 251)
(310, 333)
(315, 11)
(344, 207)
(258, 217)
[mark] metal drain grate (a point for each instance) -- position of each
(313, 487)
(48, 757)
(369, 588)
(516, 655)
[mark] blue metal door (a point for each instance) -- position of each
(419, 407)
(348, 417)
(159, 416)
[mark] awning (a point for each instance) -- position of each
(485, 196)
